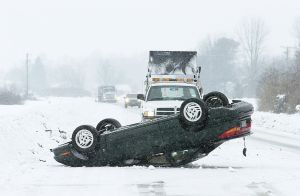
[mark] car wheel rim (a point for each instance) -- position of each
(84, 139)
(214, 102)
(192, 112)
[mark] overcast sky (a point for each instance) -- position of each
(79, 28)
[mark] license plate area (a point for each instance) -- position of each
(243, 124)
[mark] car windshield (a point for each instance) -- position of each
(132, 96)
(159, 93)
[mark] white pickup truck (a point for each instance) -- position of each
(173, 76)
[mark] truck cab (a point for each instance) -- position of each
(165, 99)
(107, 94)
(173, 76)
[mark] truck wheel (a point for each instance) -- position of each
(107, 125)
(193, 113)
(215, 99)
(84, 138)
(126, 105)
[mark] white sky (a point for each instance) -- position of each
(79, 28)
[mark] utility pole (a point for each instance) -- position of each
(287, 53)
(27, 75)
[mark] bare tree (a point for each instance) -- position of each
(218, 58)
(252, 34)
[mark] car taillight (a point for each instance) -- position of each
(235, 131)
(67, 153)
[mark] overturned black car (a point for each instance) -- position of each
(175, 140)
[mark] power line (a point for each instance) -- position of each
(287, 53)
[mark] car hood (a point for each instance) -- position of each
(162, 104)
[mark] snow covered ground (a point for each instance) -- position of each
(27, 167)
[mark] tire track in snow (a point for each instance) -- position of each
(290, 142)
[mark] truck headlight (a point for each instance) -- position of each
(148, 113)
(126, 100)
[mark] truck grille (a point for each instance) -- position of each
(166, 111)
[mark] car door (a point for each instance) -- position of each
(135, 141)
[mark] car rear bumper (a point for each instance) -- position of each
(236, 135)
(240, 114)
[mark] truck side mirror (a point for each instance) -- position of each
(141, 97)
(199, 69)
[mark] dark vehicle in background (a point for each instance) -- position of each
(200, 126)
(132, 100)
(107, 94)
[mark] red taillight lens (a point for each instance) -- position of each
(235, 131)
(66, 153)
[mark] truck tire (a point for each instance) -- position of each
(215, 99)
(193, 113)
(85, 138)
(107, 125)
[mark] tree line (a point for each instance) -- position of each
(237, 66)
(240, 67)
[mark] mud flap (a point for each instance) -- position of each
(244, 149)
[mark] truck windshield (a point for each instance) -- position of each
(108, 90)
(159, 93)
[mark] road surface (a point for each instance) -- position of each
(270, 168)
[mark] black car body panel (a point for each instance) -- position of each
(162, 136)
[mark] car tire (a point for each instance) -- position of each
(215, 99)
(85, 138)
(107, 125)
(193, 113)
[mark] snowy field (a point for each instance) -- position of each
(272, 165)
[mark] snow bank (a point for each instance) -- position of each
(287, 123)
(277, 122)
